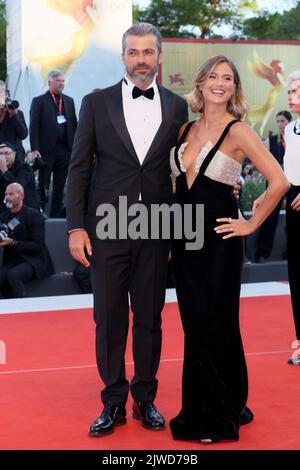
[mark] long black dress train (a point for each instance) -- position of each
(214, 383)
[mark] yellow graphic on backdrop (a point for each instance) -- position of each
(83, 12)
(273, 73)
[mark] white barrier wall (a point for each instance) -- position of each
(80, 37)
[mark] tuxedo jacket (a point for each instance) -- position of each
(43, 129)
(30, 237)
(102, 131)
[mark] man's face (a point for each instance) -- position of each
(294, 97)
(13, 196)
(8, 154)
(57, 84)
(141, 59)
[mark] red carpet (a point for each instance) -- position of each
(50, 385)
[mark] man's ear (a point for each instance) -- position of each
(160, 58)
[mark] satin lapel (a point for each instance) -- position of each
(168, 106)
(116, 113)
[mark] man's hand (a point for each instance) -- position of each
(295, 204)
(6, 242)
(78, 241)
(2, 110)
(3, 165)
(237, 189)
(35, 153)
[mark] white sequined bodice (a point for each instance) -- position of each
(222, 168)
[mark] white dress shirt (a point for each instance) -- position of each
(142, 116)
(291, 162)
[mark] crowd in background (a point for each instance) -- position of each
(42, 170)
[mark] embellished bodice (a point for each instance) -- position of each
(221, 168)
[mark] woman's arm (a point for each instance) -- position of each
(246, 141)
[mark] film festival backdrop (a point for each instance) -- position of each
(83, 39)
(263, 67)
(80, 37)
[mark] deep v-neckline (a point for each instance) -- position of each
(211, 153)
(194, 166)
(185, 177)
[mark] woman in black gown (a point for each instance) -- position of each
(206, 163)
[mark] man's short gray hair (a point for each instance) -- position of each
(54, 74)
(17, 186)
(293, 76)
(142, 29)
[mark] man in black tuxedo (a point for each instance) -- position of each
(130, 127)
(52, 128)
(25, 255)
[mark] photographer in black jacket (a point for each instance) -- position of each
(12, 170)
(13, 127)
(22, 238)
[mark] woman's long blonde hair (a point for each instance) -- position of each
(238, 104)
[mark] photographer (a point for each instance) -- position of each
(13, 127)
(12, 170)
(22, 238)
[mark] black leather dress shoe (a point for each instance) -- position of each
(148, 414)
(112, 415)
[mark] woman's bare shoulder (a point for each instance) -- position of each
(241, 127)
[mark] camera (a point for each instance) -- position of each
(6, 230)
(36, 163)
(11, 104)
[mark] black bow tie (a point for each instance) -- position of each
(149, 93)
(297, 127)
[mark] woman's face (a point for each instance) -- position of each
(294, 96)
(246, 169)
(281, 123)
(219, 86)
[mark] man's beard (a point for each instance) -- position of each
(8, 204)
(142, 78)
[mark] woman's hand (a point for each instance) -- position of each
(234, 227)
(237, 189)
